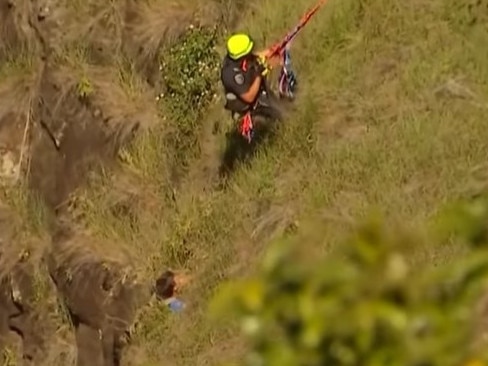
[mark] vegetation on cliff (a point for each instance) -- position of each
(390, 116)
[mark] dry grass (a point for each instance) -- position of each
(16, 36)
(18, 88)
(23, 235)
(99, 237)
(80, 249)
(371, 131)
(155, 23)
(122, 95)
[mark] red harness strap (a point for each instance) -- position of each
(246, 126)
(244, 65)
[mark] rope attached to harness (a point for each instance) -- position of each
(287, 80)
(287, 83)
(247, 128)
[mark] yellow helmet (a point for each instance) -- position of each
(239, 45)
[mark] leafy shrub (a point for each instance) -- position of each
(367, 303)
(190, 70)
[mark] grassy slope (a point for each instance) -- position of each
(370, 131)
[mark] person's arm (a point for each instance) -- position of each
(253, 90)
(250, 95)
(246, 84)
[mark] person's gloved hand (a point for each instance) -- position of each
(263, 67)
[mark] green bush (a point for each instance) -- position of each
(190, 71)
(367, 303)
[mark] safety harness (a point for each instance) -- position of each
(246, 127)
(287, 80)
(287, 83)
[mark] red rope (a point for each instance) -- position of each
(246, 126)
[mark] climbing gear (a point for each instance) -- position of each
(239, 45)
(261, 107)
(264, 68)
(247, 128)
(287, 80)
(245, 124)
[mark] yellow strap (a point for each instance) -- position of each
(262, 59)
(267, 68)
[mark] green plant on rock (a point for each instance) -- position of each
(190, 73)
(84, 87)
(365, 304)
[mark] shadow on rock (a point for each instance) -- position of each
(102, 297)
(18, 315)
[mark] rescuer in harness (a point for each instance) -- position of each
(243, 76)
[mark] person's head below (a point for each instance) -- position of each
(239, 46)
(168, 284)
(165, 286)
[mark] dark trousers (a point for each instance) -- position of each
(267, 107)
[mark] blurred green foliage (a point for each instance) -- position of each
(367, 303)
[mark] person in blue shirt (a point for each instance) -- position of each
(167, 287)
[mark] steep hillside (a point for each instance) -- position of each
(119, 180)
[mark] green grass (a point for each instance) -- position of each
(370, 133)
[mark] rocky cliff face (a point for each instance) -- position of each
(63, 112)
